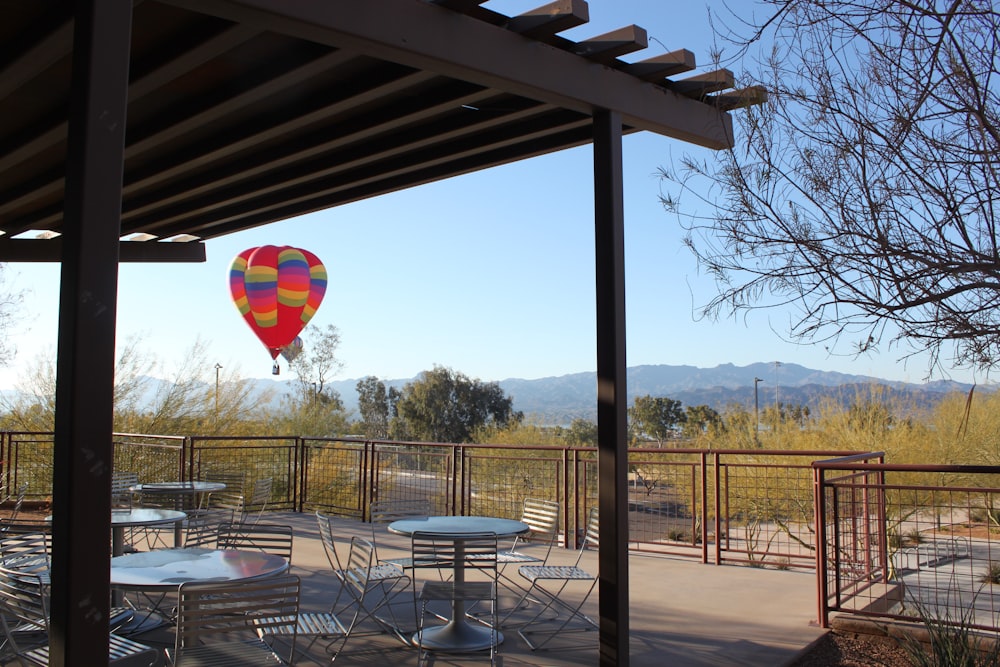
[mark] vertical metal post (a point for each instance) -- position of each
(612, 445)
(86, 341)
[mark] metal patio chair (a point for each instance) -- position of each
(477, 554)
(367, 590)
(218, 623)
(25, 622)
(549, 583)
(383, 512)
(276, 539)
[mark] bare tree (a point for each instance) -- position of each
(864, 193)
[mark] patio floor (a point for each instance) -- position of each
(683, 613)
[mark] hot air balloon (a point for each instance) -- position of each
(277, 290)
(292, 350)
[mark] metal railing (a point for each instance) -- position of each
(909, 542)
(887, 541)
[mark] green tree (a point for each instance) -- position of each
(445, 406)
(699, 419)
(376, 405)
(149, 396)
(313, 407)
(655, 417)
(582, 433)
(863, 194)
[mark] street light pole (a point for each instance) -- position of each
(218, 367)
(756, 407)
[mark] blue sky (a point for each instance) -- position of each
(490, 274)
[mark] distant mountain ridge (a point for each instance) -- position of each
(560, 399)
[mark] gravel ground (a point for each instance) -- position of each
(853, 650)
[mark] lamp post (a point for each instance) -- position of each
(777, 410)
(218, 367)
(756, 407)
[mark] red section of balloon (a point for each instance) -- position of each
(277, 290)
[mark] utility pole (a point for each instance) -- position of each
(218, 367)
(756, 408)
(777, 410)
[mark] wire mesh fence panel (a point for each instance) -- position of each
(152, 458)
(499, 479)
(664, 493)
(910, 545)
(413, 473)
(766, 506)
(259, 458)
(29, 460)
(334, 477)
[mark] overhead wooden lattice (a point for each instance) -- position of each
(244, 112)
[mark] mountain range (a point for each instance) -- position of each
(560, 399)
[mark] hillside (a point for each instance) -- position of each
(559, 400)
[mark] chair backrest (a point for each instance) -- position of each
(232, 496)
(475, 551)
(22, 490)
(270, 538)
(202, 526)
(219, 611)
(542, 517)
(383, 512)
(325, 524)
(23, 597)
(358, 568)
(387, 511)
(121, 482)
(25, 552)
(592, 536)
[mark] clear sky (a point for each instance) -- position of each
(490, 274)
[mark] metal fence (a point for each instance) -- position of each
(909, 542)
(887, 541)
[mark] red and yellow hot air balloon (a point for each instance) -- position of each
(277, 290)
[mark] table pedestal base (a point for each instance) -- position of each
(457, 637)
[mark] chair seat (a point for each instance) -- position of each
(120, 649)
(535, 572)
(516, 557)
(228, 654)
(324, 624)
(450, 590)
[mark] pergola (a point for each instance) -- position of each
(135, 131)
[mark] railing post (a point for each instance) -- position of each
(703, 462)
(819, 503)
(717, 464)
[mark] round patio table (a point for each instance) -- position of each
(177, 490)
(458, 634)
(158, 572)
(166, 569)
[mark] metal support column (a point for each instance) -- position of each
(86, 342)
(612, 443)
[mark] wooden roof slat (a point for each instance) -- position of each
(50, 250)
(185, 62)
(188, 59)
(609, 46)
(464, 48)
(366, 129)
(659, 67)
(548, 20)
(51, 49)
(739, 99)
(700, 85)
(280, 208)
(346, 165)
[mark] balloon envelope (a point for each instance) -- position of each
(292, 350)
(277, 290)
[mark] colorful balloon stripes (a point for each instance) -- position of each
(277, 290)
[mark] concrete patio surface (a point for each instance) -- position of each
(684, 614)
